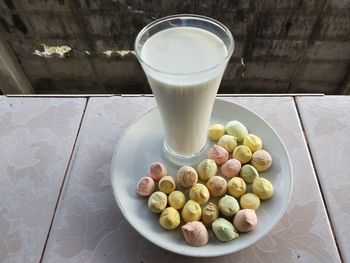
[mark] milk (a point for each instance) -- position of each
(184, 67)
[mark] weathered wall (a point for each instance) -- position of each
(7, 83)
(286, 46)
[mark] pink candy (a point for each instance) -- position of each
(245, 220)
(218, 154)
(195, 234)
(157, 170)
(231, 168)
(145, 186)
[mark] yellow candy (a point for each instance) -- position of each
(253, 142)
(157, 202)
(242, 153)
(199, 193)
(250, 201)
(236, 187)
(263, 188)
(169, 218)
(167, 184)
(216, 131)
(177, 200)
(192, 211)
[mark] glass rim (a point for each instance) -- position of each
(190, 16)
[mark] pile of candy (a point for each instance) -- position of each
(234, 161)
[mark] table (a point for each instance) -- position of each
(57, 204)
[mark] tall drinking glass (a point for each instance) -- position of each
(184, 58)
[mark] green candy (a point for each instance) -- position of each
(207, 169)
(249, 173)
(236, 129)
(224, 230)
(228, 206)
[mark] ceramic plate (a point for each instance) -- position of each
(142, 144)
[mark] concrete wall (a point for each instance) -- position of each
(286, 46)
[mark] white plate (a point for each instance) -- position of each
(142, 144)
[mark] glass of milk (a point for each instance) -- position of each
(184, 58)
